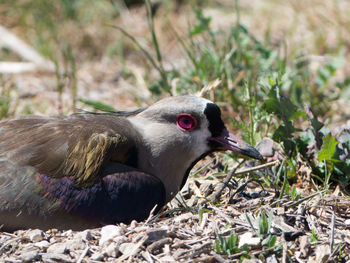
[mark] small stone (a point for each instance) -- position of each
(67, 233)
(30, 256)
(154, 235)
(42, 244)
(322, 253)
(35, 235)
(127, 248)
(266, 147)
(84, 235)
(97, 256)
(248, 239)
(58, 248)
(55, 257)
(120, 240)
(272, 259)
(111, 250)
(167, 258)
(133, 224)
(108, 233)
(75, 244)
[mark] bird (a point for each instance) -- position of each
(88, 170)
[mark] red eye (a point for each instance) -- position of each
(186, 122)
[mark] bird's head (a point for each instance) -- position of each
(177, 132)
(193, 122)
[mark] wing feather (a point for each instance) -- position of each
(78, 146)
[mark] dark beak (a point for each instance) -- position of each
(228, 141)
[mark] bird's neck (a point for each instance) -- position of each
(169, 165)
(164, 155)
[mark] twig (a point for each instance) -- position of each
(339, 248)
(332, 232)
(151, 213)
(12, 42)
(284, 251)
(219, 258)
(198, 250)
(256, 168)
(83, 254)
(134, 251)
(225, 182)
(6, 243)
(209, 87)
(303, 199)
(243, 171)
(158, 244)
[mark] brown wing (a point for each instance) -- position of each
(78, 145)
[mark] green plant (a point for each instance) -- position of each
(229, 246)
(313, 236)
(5, 99)
(328, 155)
(262, 228)
(201, 211)
(294, 194)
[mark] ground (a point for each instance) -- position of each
(206, 222)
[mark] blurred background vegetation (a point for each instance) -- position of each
(278, 69)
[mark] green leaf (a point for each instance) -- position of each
(263, 224)
(328, 149)
(203, 23)
(293, 192)
(270, 241)
(98, 105)
(155, 89)
(217, 246)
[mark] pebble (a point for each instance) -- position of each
(155, 235)
(248, 239)
(75, 244)
(67, 233)
(120, 240)
(108, 233)
(97, 256)
(347, 222)
(167, 258)
(42, 244)
(127, 248)
(112, 250)
(35, 235)
(84, 235)
(30, 256)
(272, 259)
(58, 248)
(322, 253)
